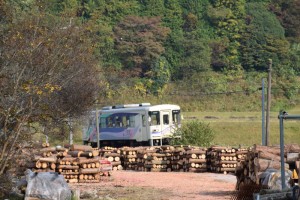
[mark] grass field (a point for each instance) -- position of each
(231, 128)
(245, 128)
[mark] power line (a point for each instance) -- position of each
(196, 93)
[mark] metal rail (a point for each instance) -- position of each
(284, 116)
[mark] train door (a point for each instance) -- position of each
(144, 130)
(165, 122)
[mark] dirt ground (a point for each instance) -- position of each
(132, 185)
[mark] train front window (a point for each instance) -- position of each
(176, 116)
(154, 118)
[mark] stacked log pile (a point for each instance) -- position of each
(258, 160)
(77, 163)
(196, 159)
(130, 157)
(46, 159)
(157, 161)
(223, 159)
(113, 155)
(144, 157)
(178, 158)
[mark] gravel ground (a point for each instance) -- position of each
(160, 186)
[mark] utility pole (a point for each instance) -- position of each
(97, 129)
(69, 122)
(268, 104)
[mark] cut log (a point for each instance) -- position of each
(269, 156)
(47, 149)
(72, 180)
(273, 150)
(87, 154)
(89, 171)
(78, 147)
(116, 163)
(197, 170)
(263, 164)
(67, 167)
(83, 160)
(197, 161)
(48, 159)
(75, 153)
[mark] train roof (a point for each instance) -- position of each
(138, 107)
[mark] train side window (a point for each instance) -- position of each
(103, 122)
(131, 121)
(124, 121)
(144, 120)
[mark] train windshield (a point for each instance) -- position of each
(176, 116)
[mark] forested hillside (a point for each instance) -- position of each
(202, 54)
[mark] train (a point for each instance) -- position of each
(140, 124)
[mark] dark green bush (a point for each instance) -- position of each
(195, 133)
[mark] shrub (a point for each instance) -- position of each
(195, 133)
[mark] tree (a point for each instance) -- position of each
(263, 39)
(287, 12)
(227, 17)
(47, 71)
(139, 42)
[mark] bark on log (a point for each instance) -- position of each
(67, 167)
(49, 159)
(269, 156)
(47, 149)
(83, 160)
(89, 171)
(160, 162)
(197, 161)
(75, 153)
(87, 154)
(263, 164)
(270, 149)
(197, 170)
(116, 163)
(79, 147)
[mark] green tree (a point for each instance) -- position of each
(139, 42)
(263, 39)
(227, 17)
(152, 7)
(197, 55)
(172, 18)
(195, 133)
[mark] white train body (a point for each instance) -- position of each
(134, 124)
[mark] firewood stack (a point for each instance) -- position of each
(45, 160)
(77, 163)
(113, 155)
(223, 159)
(175, 157)
(178, 159)
(241, 153)
(196, 159)
(157, 161)
(130, 157)
(143, 156)
(258, 160)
